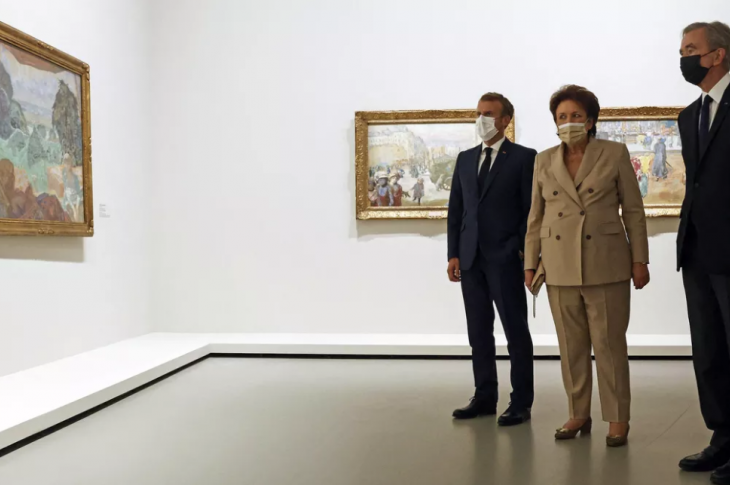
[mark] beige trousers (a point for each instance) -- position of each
(597, 316)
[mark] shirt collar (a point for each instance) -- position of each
(495, 148)
(718, 91)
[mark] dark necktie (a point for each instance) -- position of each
(705, 123)
(484, 170)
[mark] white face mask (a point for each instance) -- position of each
(485, 128)
(572, 133)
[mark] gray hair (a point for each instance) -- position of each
(718, 36)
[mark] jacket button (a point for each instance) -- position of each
(555, 193)
(582, 213)
(590, 191)
(697, 185)
(588, 237)
(560, 214)
(557, 237)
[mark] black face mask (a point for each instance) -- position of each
(692, 70)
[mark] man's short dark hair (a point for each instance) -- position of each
(507, 108)
(580, 95)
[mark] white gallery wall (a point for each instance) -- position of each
(60, 297)
(254, 147)
(223, 146)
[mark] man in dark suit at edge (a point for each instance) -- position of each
(704, 234)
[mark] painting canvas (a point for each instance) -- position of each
(652, 137)
(419, 158)
(45, 185)
(406, 161)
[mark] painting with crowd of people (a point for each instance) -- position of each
(413, 164)
(656, 154)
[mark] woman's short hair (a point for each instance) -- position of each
(580, 95)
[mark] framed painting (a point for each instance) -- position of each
(652, 136)
(404, 161)
(45, 140)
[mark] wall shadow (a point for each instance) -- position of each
(662, 225)
(56, 249)
(432, 228)
(404, 227)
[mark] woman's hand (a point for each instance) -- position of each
(529, 276)
(640, 273)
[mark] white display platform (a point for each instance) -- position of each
(34, 400)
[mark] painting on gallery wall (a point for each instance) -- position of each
(652, 137)
(405, 161)
(45, 153)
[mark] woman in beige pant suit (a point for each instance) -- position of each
(575, 227)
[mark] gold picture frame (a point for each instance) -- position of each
(365, 119)
(662, 186)
(65, 207)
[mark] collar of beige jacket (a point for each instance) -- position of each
(560, 172)
(590, 157)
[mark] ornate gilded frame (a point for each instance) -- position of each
(16, 227)
(646, 113)
(363, 119)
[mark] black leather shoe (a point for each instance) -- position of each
(514, 416)
(721, 476)
(476, 407)
(706, 460)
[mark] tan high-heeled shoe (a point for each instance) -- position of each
(569, 434)
(617, 441)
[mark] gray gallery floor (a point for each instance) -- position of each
(369, 422)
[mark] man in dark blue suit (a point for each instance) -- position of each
(704, 235)
(488, 209)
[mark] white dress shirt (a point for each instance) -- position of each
(716, 93)
(495, 150)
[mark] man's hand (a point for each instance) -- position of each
(640, 273)
(529, 276)
(454, 270)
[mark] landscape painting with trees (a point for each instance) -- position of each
(41, 154)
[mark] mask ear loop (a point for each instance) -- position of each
(702, 56)
(715, 52)
(586, 125)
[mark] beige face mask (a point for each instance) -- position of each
(572, 133)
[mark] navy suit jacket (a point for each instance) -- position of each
(494, 220)
(707, 201)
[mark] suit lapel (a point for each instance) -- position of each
(499, 162)
(469, 177)
(722, 110)
(560, 172)
(692, 141)
(590, 158)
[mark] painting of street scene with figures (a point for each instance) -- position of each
(41, 151)
(413, 164)
(656, 155)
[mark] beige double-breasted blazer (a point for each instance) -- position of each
(575, 226)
